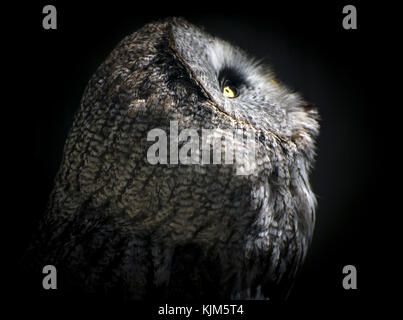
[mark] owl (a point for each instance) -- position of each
(184, 175)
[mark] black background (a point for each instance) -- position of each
(337, 70)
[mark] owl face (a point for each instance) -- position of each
(239, 86)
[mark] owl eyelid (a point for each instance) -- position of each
(228, 83)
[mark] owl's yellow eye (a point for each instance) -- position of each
(228, 92)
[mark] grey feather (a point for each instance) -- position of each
(117, 224)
